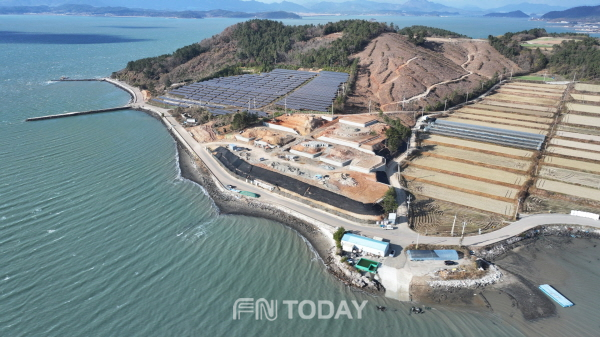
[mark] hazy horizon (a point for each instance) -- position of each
(189, 3)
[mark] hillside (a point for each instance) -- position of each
(579, 13)
(255, 45)
(392, 69)
(514, 14)
(431, 66)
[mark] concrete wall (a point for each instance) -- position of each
(353, 145)
(280, 128)
(307, 155)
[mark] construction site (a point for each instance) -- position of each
(344, 161)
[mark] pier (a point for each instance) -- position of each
(77, 113)
(132, 100)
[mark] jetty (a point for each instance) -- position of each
(555, 295)
(130, 105)
(77, 113)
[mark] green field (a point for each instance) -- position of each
(535, 78)
(532, 45)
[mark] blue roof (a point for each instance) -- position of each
(365, 242)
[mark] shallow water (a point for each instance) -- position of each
(100, 236)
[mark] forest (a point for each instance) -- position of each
(579, 56)
(417, 34)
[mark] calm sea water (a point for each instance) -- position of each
(100, 236)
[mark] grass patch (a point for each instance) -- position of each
(534, 78)
(535, 45)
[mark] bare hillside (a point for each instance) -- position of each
(393, 69)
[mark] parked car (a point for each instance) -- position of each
(450, 263)
(392, 253)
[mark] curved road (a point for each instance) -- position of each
(402, 236)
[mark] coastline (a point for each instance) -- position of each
(319, 237)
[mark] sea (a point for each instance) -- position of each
(101, 236)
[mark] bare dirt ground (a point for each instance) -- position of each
(303, 124)
(502, 120)
(570, 176)
(572, 164)
(521, 111)
(583, 108)
(587, 87)
(477, 157)
(203, 133)
(392, 69)
(505, 115)
(462, 198)
(482, 147)
(573, 153)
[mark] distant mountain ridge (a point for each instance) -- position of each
(124, 11)
(582, 12)
(252, 6)
(515, 14)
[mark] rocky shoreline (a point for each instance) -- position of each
(318, 237)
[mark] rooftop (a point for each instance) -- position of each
(365, 242)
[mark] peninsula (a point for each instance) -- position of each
(409, 160)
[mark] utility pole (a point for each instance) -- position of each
(511, 73)
(517, 210)
(467, 99)
(417, 241)
(463, 229)
(574, 77)
(453, 223)
(254, 102)
(544, 76)
(285, 103)
(369, 106)
(408, 210)
(404, 98)
(445, 104)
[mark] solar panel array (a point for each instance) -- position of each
(242, 91)
(316, 95)
(213, 109)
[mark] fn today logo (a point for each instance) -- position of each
(307, 309)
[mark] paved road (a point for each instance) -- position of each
(401, 236)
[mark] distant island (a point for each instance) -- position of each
(582, 13)
(88, 10)
(514, 14)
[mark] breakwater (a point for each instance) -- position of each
(77, 113)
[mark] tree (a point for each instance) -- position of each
(389, 203)
(337, 236)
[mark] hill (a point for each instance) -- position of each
(393, 69)
(580, 13)
(384, 65)
(515, 14)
